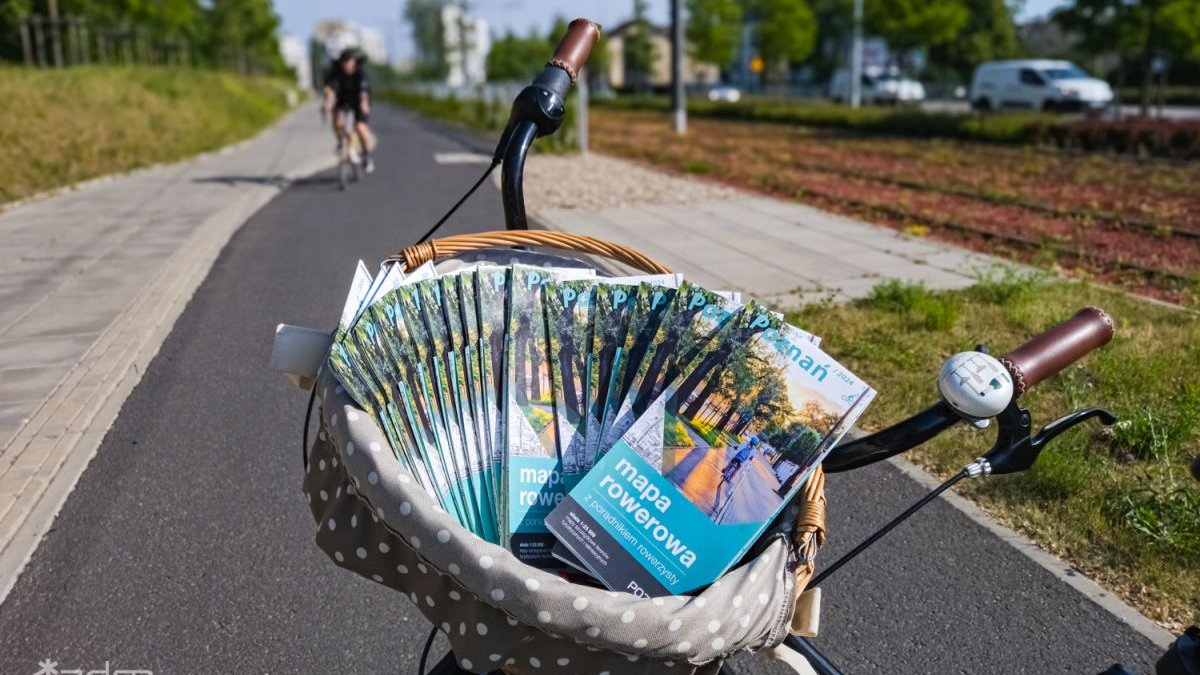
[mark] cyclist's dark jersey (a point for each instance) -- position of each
(347, 88)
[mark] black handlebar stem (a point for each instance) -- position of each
(537, 111)
(894, 440)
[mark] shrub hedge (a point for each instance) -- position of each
(1159, 138)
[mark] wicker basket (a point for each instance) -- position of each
(499, 613)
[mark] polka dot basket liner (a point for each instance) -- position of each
(501, 614)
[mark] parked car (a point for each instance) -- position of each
(877, 87)
(1037, 84)
(724, 93)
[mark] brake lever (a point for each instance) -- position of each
(1016, 449)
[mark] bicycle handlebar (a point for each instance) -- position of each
(573, 50)
(539, 110)
(1041, 357)
(1048, 353)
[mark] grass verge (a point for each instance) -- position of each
(1118, 503)
(79, 123)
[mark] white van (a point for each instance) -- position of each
(1037, 84)
(877, 87)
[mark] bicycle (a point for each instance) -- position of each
(974, 387)
(351, 164)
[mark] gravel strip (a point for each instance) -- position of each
(600, 182)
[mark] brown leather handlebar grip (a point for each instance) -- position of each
(1044, 355)
(572, 51)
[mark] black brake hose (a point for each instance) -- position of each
(837, 564)
(312, 398)
(425, 651)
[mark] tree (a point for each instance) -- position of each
(787, 32)
(801, 441)
(714, 29)
(241, 35)
(640, 52)
(989, 34)
(910, 24)
(429, 37)
(1147, 29)
(513, 57)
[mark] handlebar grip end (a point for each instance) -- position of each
(1046, 354)
(572, 51)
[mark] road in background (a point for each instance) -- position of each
(187, 545)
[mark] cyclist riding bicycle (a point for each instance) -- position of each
(347, 91)
(745, 454)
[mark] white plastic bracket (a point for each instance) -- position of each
(299, 352)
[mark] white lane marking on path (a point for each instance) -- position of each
(461, 158)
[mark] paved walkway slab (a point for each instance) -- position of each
(782, 253)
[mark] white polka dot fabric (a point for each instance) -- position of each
(500, 614)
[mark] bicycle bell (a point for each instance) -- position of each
(975, 385)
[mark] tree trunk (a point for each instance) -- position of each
(697, 403)
(535, 370)
(666, 349)
(1148, 58)
(726, 417)
(520, 349)
(712, 365)
(566, 360)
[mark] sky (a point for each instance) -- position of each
(519, 15)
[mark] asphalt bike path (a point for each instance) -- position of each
(186, 546)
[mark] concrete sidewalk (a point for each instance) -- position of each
(91, 281)
(779, 252)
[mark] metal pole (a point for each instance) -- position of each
(856, 64)
(582, 104)
(39, 40)
(678, 95)
(56, 38)
(26, 44)
(85, 40)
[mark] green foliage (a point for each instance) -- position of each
(989, 34)
(1167, 516)
(484, 116)
(235, 34)
(909, 24)
(1179, 139)
(921, 306)
(1003, 284)
(1141, 28)
(516, 58)
(714, 437)
(425, 18)
(121, 119)
(714, 29)
(787, 32)
(674, 434)
(1154, 429)
(796, 443)
(538, 419)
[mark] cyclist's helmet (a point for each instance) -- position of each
(754, 441)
